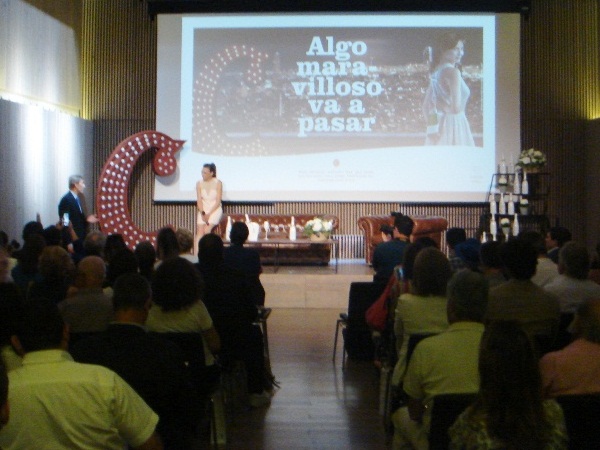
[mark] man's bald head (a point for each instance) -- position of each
(91, 271)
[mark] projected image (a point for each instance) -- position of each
(282, 91)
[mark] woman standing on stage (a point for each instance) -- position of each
(209, 192)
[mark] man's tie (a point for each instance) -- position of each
(79, 204)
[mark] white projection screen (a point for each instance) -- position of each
(329, 107)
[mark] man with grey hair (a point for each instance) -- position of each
(72, 206)
(575, 369)
(431, 372)
(185, 239)
(572, 286)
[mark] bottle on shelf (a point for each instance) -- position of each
(502, 204)
(515, 226)
(511, 204)
(493, 227)
(502, 166)
(525, 185)
(293, 229)
(493, 209)
(228, 228)
(517, 183)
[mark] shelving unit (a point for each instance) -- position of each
(537, 217)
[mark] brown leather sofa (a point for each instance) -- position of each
(430, 226)
(303, 251)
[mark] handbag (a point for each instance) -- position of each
(376, 315)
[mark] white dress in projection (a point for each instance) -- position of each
(452, 127)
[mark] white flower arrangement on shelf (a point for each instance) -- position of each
(531, 159)
(505, 222)
(318, 226)
(524, 202)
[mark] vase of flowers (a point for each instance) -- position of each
(318, 229)
(505, 225)
(502, 183)
(531, 160)
(524, 206)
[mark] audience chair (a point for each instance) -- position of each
(445, 410)
(342, 322)
(263, 315)
(582, 416)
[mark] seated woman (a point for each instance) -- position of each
(177, 308)
(246, 260)
(510, 411)
(423, 309)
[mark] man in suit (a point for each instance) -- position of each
(153, 366)
(73, 204)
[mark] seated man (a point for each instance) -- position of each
(154, 367)
(60, 404)
(575, 369)
(454, 237)
(89, 310)
(432, 372)
(546, 270)
(536, 310)
(555, 239)
(246, 260)
(572, 286)
(388, 255)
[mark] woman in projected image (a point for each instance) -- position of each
(209, 192)
(447, 95)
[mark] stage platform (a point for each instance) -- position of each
(313, 286)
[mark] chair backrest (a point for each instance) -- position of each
(362, 295)
(413, 340)
(582, 416)
(446, 408)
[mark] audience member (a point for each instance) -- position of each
(556, 237)
(388, 255)
(11, 301)
(509, 412)
(468, 252)
(26, 269)
(431, 372)
(58, 403)
(56, 271)
(52, 235)
(455, 236)
(30, 228)
(154, 367)
(4, 408)
(122, 261)
(114, 243)
(234, 313)
(89, 310)
(572, 286)
(536, 310)
(185, 241)
(491, 264)
(94, 243)
(5, 276)
(177, 308)
(145, 254)
(575, 369)
(246, 260)
(166, 244)
(546, 270)
(423, 309)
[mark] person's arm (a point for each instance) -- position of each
(454, 79)
(153, 443)
(212, 339)
(219, 198)
(92, 218)
(199, 205)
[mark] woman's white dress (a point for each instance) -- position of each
(209, 196)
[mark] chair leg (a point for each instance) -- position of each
(335, 340)
(218, 426)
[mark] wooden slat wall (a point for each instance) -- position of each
(560, 91)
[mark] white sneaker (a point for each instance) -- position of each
(259, 400)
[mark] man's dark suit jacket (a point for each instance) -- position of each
(69, 205)
(155, 369)
(247, 260)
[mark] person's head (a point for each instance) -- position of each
(122, 262)
(489, 255)
(131, 291)
(468, 252)
(76, 183)
(510, 389)
(29, 255)
(404, 225)
(587, 321)
(209, 171)
(239, 233)
(56, 263)
(557, 237)
(455, 236)
(410, 254)
(166, 244)
(387, 232)
(519, 259)
(40, 327)
(114, 243)
(431, 273)
(536, 239)
(467, 297)
(185, 240)
(30, 228)
(210, 250)
(176, 285)
(91, 271)
(145, 254)
(4, 266)
(574, 260)
(52, 235)
(449, 48)
(94, 243)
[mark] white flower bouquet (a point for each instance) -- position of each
(505, 222)
(531, 159)
(318, 227)
(524, 202)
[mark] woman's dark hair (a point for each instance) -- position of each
(510, 393)
(239, 233)
(30, 254)
(410, 254)
(167, 245)
(212, 167)
(445, 42)
(145, 254)
(431, 274)
(122, 262)
(176, 284)
(114, 243)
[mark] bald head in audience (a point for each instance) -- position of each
(91, 271)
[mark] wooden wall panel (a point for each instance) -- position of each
(559, 93)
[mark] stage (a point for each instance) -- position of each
(313, 286)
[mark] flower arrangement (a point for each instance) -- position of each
(318, 227)
(531, 159)
(505, 222)
(524, 202)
